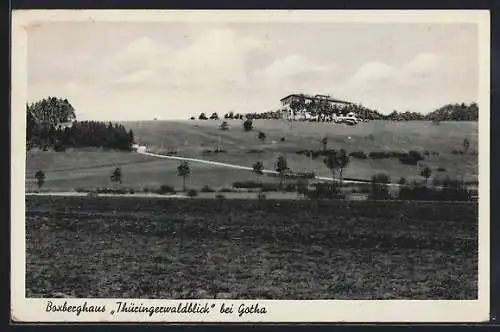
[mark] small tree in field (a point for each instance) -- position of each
(466, 145)
(116, 176)
(426, 173)
(258, 168)
(224, 126)
(183, 171)
(248, 125)
(40, 178)
(281, 168)
(342, 161)
(262, 136)
(324, 143)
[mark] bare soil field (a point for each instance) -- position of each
(122, 247)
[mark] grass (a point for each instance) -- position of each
(245, 249)
(92, 167)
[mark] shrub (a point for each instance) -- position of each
(291, 187)
(165, 189)
(192, 193)
(248, 125)
(255, 151)
(262, 136)
(261, 196)
(380, 190)
(325, 191)
(402, 181)
(225, 190)
(441, 169)
(220, 196)
(246, 185)
(415, 155)
(131, 191)
(358, 154)
(282, 139)
(379, 155)
(207, 189)
(457, 152)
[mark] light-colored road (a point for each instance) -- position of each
(216, 163)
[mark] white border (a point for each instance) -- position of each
(33, 310)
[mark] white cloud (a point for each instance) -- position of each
(371, 72)
(422, 65)
(292, 65)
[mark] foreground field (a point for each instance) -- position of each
(154, 248)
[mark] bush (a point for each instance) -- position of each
(415, 155)
(255, 151)
(402, 181)
(220, 196)
(379, 155)
(452, 190)
(325, 191)
(225, 190)
(165, 189)
(261, 196)
(380, 190)
(441, 169)
(248, 125)
(246, 185)
(207, 189)
(282, 139)
(457, 152)
(358, 154)
(192, 193)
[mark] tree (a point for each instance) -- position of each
(224, 126)
(202, 117)
(331, 162)
(214, 116)
(466, 145)
(342, 160)
(52, 111)
(183, 171)
(281, 168)
(262, 136)
(258, 168)
(40, 178)
(426, 173)
(116, 176)
(324, 143)
(248, 125)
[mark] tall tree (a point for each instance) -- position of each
(342, 160)
(40, 178)
(426, 173)
(466, 145)
(52, 111)
(324, 143)
(258, 168)
(331, 162)
(281, 168)
(183, 171)
(116, 176)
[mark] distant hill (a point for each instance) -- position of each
(455, 112)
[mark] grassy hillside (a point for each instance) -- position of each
(92, 167)
(190, 138)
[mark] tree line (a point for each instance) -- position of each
(51, 123)
(322, 111)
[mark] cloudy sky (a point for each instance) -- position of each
(132, 71)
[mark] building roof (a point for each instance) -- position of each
(316, 97)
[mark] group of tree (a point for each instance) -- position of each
(233, 116)
(51, 123)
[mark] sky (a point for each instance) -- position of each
(172, 70)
